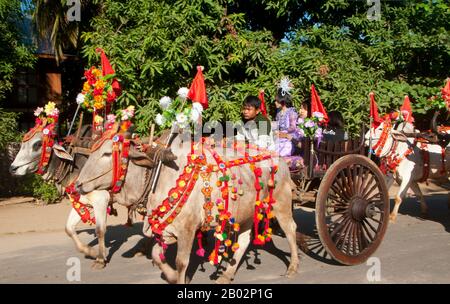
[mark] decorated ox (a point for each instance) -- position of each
(39, 153)
(113, 157)
(233, 196)
(408, 160)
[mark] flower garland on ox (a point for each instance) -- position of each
(100, 90)
(97, 90)
(197, 166)
(46, 121)
(120, 157)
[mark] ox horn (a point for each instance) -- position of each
(433, 125)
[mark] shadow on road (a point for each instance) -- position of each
(309, 242)
(307, 238)
(438, 209)
(118, 235)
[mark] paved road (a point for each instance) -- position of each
(36, 251)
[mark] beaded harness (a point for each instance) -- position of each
(120, 159)
(197, 166)
(392, 160)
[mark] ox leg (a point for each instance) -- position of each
(71, 223)
(228, 275)
(100, 210)
(405, 184)
(168, 271)
(289, 227)
(390, 180)
(282, 210)
(185, 242)
(423, 204)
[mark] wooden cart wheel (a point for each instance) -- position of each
(352, 209)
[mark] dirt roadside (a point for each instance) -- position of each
(22, 214)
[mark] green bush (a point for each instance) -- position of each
(249, 45)
(35, 186)
(8, 127)
(31, 185)
(14, 54)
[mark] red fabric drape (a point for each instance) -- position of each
(316, 104)
(197, 92)
(376, 120)
(108, 70)
(446, 93)
(406, 110)
(263, 103)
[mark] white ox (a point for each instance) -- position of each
(192, 216)
(406, 158)
(27, 162)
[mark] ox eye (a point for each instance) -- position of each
(37, 145)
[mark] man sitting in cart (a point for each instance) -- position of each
(256, 128)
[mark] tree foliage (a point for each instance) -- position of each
(249, 45)
(8, 125)
(14, 54)
(51, 22)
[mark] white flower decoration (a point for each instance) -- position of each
(165, 102)
(46, 131)
(195, 115)
(183, 92)
(54, 113)
(38, 111)
(111, 118)
(160, 120)
(197, 106)
(128, 113)
(318, 115)
(80, 98)
(285, 85)
(181, 120)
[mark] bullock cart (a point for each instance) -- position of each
(350, 195)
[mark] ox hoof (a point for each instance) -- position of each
(290, 273)
(139, 254)
(98, 264)
(223, 280)
(170, 277)
(392, 219)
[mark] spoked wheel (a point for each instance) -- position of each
(352, 209)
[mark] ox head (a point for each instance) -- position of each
(383, 136)
(374, 134)
(30, 153)
(97, 173)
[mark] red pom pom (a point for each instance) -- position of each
(258, 172)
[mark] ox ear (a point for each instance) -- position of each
(168, 156)
(61, 152)
(140, 159)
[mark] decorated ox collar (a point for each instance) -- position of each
(379, 146)
(48, 129)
